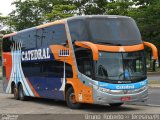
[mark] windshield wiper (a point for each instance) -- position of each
(101, 77)
(108, 43)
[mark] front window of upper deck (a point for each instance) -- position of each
(114, 31)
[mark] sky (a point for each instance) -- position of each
(6, 7)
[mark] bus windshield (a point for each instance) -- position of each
(120, 66)
(114, 31)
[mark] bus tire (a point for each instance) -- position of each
(15, 92)
(70, 99)
(21, 93)
(115, 104)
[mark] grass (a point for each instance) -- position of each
(154, 82)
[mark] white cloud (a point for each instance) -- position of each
(6, 7)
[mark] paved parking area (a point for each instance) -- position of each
(1, 86)
(45, 106)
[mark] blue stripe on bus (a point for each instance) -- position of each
(47, 87)
(130, 86)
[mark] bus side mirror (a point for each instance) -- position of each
(154, 49)
(91, 46)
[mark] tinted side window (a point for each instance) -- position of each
(85, 62)
(47, 69)
(56, 69)
(7, 43)
(28, 38)
(32, 69)
(51, 35)
(79, 34)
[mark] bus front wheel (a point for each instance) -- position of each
(71, 99)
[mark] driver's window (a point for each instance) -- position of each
(87, 68)
(84, 62)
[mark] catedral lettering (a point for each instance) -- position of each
(125, 87)
(95, 59)
(38, 54)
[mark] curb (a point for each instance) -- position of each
(153, 73)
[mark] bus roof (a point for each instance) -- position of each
(63, 21)
(96, 16)
(37, 27)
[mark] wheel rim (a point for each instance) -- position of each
(21, 93)
(72, 98)
(15, 92)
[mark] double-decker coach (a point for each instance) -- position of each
(97, 59)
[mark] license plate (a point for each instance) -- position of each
(126, 98)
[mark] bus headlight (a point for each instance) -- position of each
(94, 86)
(104, 90)
(140, 89)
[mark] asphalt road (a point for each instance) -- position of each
(1, 86)
(51, 109)
(45, 106)
(153, 100)
(154, 96)
(153, 77)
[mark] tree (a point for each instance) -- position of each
(90, 7)
(26, 14)
(34, 12)
(147, 16)
(119, 7)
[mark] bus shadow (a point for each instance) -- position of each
(85, 107)
(107, 108)
(44, 101)
(49, 102)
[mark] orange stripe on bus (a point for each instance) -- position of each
(120, 48)
(89, 45)
(9, 35)
(50, 24)
(154, 49)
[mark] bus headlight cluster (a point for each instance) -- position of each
(122, 91)
(140, 89)
(104, 90)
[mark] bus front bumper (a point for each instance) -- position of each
(101, 97)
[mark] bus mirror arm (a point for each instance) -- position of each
(91, 46)
(154, 49)
(64, 44)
